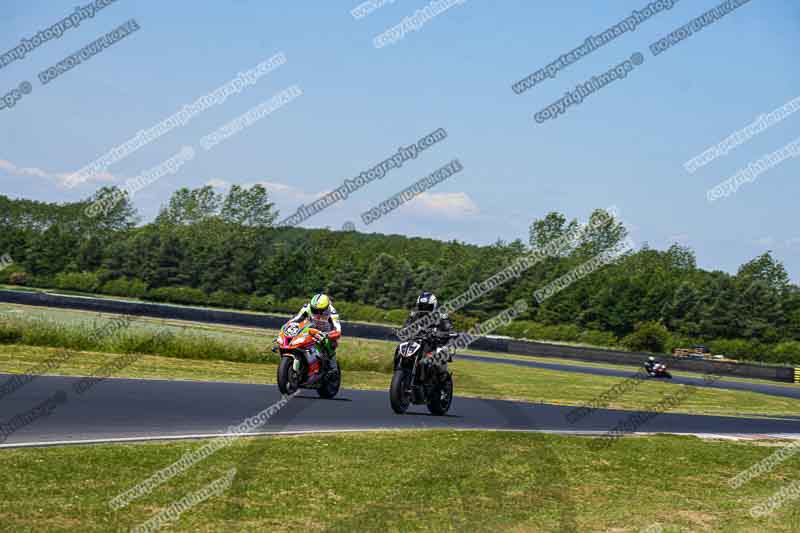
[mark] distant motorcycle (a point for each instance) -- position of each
(302, 365)
(421, 376)
(659, 370)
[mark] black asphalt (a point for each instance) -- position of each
(142, 409)
(721, 383)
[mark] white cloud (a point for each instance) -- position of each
(287, 191)
(449, 204)
(63, 178)
(217, 184)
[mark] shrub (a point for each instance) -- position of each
(7, 272)
(738, 349)
(264, 304)
(228, 299)
(599, 338)
(131, 288)
(77, 281)
(178, 295)
(463, 323)
(18, 278)
(785, 352)
(396, 316)
(647, 337)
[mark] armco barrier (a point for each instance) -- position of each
(386, 333)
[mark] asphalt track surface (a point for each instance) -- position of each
(790, 391)
(118, 410)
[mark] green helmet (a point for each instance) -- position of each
(320, 303)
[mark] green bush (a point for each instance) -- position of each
(130, 288)
(178, 295)
(228, 300)
(396, 316)
(463, 322)
(599, 338)
(263, 304)
(12, 269)
(738, 349)
(785, 352)
(647, 337)
(17, 277)
(77, 281)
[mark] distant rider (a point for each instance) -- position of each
(650, 365)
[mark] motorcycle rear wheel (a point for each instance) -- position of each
(330, 385)
(399, 396)
(441, 397)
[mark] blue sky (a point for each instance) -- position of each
(625, 145)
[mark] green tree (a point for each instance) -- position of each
(248, 207)
(389, 282)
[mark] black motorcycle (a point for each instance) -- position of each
(421, 375)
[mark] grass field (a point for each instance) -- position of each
(404, 481)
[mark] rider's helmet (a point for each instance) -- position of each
(427, 302)
(651, 359)
(320, 303)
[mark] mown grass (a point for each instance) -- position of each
(404, 481)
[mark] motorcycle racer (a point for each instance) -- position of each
(428, 303)
(324, 317)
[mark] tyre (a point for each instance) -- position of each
(441, 396)
(288, 380)
(669, 376)
(399, 395)
(330, 385)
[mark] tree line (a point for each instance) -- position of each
(224, 249)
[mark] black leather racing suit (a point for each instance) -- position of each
(441, 330)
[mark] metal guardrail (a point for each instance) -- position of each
(386, 333)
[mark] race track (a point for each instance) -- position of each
(126, 409)
(786, 391)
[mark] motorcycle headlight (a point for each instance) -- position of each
(408, 349)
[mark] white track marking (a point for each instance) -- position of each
(590, 433)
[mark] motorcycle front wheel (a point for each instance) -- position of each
(399, 395)
(288, 380)
(441, 396)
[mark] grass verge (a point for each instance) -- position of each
(84, 331)
(405, 481)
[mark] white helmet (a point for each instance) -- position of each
(427, 301)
